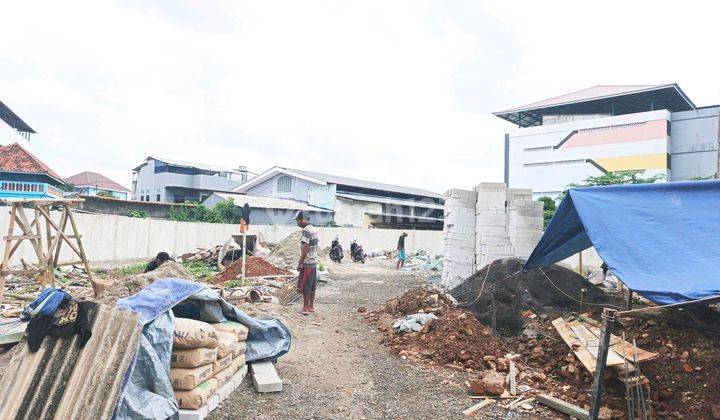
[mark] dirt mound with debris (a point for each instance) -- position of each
(456, 339)
(126, 286)
(256, 267)
(121, 288)
(516, 292)
(287, 252)
(169, 269)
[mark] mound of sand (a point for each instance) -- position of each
(525, 291)
(287, 252)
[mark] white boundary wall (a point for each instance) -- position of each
(109, 238)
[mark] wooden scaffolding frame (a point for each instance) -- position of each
(46, 236)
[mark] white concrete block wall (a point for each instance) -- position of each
(507, 223)
(109, 238)
(459, 236)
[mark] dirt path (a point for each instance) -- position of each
(337, 368)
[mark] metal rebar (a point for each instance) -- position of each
(608, 317)
(628, 398)
(641, 392)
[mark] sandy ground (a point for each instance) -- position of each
(337, 367)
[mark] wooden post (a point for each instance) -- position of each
(244, 252)
(608, 317)
(8, 247)
(580, 266)
(80, 250)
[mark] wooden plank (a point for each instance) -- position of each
(617, 346)
(16, 237)
(591, 341)
(577, 347)
(563, 406)
(68, 263)
(478, 406)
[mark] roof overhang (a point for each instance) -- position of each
(13, 120)
(656, 97)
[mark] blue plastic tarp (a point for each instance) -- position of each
(148, 393)
(661, 240)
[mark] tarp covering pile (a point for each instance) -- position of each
(661, 240)
(148, 391)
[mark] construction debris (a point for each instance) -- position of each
(286, 253)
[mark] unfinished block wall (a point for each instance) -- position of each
(500, 222)
(459, 236)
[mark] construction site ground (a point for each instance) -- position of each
(338, 368)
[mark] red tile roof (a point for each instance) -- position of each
(14, 158)
(94, 179)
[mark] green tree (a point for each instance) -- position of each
(549, 208)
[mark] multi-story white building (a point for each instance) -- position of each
(603, 129)
(173, 181)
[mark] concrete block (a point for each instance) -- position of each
(213, 402)
(198, 414)
(491, 231)
(226, 390)
(265, 377)
(490, 186)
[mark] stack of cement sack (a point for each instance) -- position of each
(492, 239)
(459, 237)
(204, 357)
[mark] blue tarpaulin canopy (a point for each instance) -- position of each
(662, 240)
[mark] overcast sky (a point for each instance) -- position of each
(391, 91)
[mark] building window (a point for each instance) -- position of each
(158, 197)
(284, 184)
(558, 162)
(147, 197)
(537, 149)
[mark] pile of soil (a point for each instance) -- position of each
(516, 292)
(130, 285)
(287, 252)
(456, 338)
(256, 267)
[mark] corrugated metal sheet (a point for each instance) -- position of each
(64, 381)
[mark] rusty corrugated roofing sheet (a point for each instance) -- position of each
(64, 381)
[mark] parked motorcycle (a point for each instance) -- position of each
(357, 253)
(336, 251)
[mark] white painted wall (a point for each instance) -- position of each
(116, 238)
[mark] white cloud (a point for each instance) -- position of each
(389, 91)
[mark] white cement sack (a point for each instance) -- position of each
(191, 334)
(239, 350)
(240, 331)
(198, 396)
(188, 378)
(188, 358)
(227, 342)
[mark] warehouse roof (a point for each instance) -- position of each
(602, 99)
(258, 202)
(324, 179)
(186, 164)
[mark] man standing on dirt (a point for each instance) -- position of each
(307, 265)
(401, 252)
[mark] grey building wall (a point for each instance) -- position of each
(693, 143)
(269, 188)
